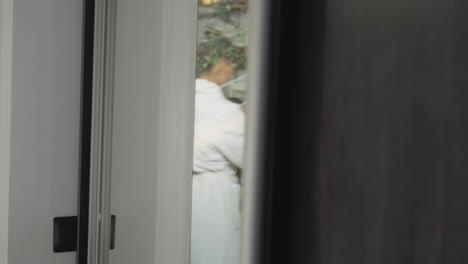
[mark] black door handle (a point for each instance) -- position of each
(66, 233)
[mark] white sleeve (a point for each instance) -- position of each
(230, 142)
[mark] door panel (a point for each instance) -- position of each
(45, 125)
(396, 130)
(377, 157)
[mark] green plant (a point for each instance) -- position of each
(216, 48)
(227, 6)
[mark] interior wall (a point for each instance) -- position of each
(47, 41)
(6, 17)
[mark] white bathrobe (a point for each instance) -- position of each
(218, 152)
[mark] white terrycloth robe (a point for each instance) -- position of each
(218, 151)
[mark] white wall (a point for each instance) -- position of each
(5, 112)
(45, 122)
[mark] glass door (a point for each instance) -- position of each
(219, 135)
(168, 177)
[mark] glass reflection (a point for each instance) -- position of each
(219, 131)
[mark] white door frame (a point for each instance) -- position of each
(175, 122)
(175, 137)
(176, 133)
(6, 36)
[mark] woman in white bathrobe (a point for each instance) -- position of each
(218, 153)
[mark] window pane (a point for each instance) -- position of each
(219, 131)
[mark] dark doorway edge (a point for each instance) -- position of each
(85, 138)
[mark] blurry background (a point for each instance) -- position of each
(222, 37)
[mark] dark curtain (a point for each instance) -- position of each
(366, 160)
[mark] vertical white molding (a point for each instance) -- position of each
(6, 28)
(101, 138)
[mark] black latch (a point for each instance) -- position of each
(66, 233)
